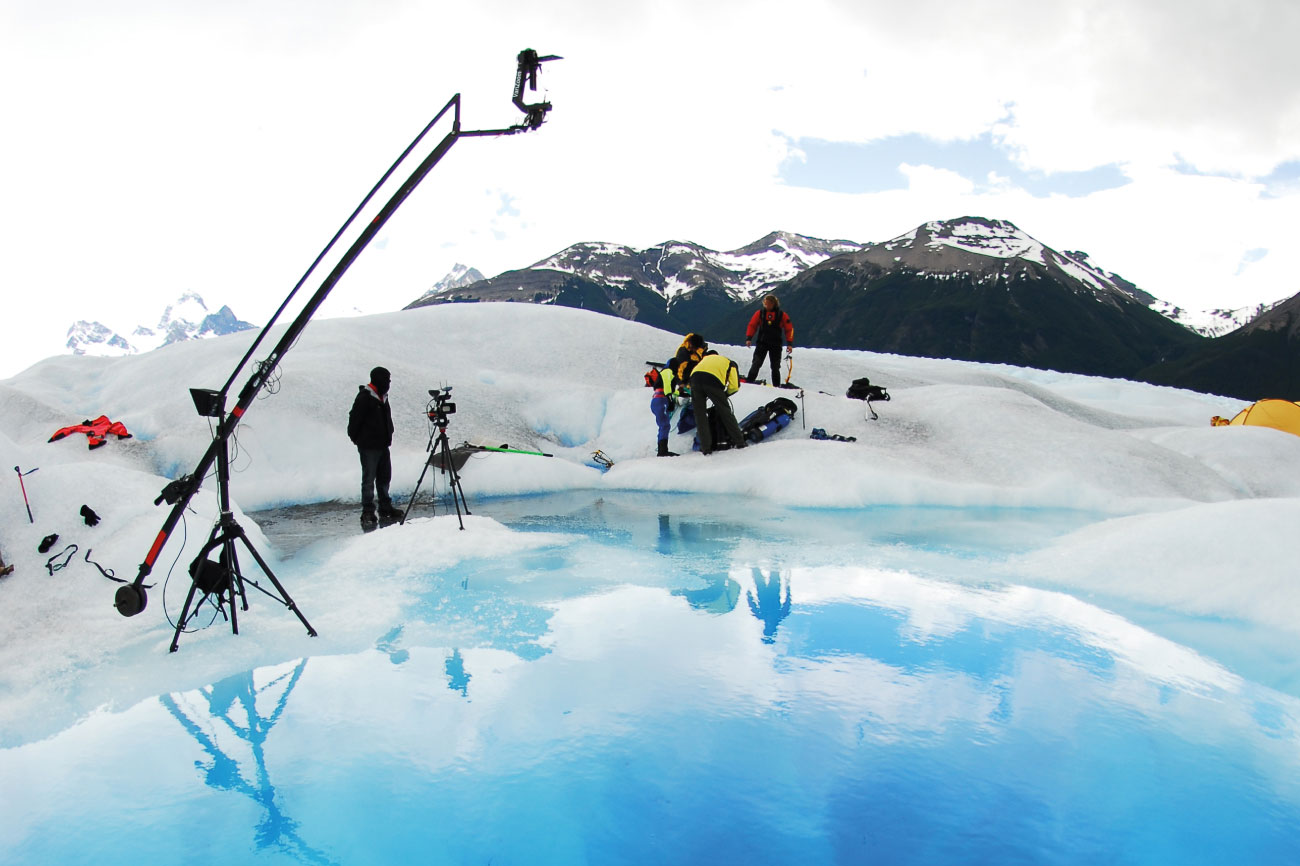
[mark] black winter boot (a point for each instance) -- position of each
(663, 449)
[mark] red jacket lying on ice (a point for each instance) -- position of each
(97, 430)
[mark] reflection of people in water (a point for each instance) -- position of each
(766, 603)
(720, 596)
(457, 677)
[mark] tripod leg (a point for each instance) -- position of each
(284, 595)
(453, 480)
(461, 492)
(236, 577)
(239, 575)
(184, 617)
(418, 482)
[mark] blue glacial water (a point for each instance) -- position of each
(695, 681)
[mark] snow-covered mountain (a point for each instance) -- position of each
(457, 278)
(1001, 240)
(676, 268)
(186, 318)
(982, 290)
(988, 249)
(94, 338)
(671, 271)
(677, 271)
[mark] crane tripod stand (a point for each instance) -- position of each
(222, 579)
(439, 449)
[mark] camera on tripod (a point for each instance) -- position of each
(439, 448)
(440, 406)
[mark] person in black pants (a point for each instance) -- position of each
(370, 427)
(713, 380)
(766, 329)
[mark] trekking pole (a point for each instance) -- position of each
(24, 487)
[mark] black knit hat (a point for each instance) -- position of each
(380, 376)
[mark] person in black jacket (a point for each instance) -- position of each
(370, 427)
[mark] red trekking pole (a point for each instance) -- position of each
(24, 487)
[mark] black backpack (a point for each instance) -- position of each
(763, 414)
(862, 389)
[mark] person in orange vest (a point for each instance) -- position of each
(766, 329)
(662, 405)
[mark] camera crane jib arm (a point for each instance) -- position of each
(131, 598)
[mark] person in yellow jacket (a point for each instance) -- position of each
(713, 380)
(688, 355)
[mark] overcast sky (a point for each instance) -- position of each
(154, 147)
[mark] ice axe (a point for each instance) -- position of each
(24, 487)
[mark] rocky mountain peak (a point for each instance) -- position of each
(186, 318)
(995, 238)
(459, 276)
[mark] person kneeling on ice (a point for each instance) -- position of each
(662, 405)
(714, 379)
(687, 356)
(370, 427)
(677, 377)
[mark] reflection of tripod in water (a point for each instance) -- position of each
(440, 452)
(232, 710)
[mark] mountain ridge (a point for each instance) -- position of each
(970, 288)
(186, 318)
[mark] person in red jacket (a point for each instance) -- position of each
(766, 329)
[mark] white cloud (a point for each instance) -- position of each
(174, 146)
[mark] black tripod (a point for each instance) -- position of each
(221, 580)
(440, 453)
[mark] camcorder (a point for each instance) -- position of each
(440, 406)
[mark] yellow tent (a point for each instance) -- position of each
(1278, 414)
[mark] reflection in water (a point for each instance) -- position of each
(389, 644)
(232, 702)
(766, 603)
(903, 716)
(457, 677)
(719, 596)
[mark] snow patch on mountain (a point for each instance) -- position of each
(997, 238)
(1212, 323)
(986, 247)
(673, 269)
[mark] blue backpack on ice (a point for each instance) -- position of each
(756, 426)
